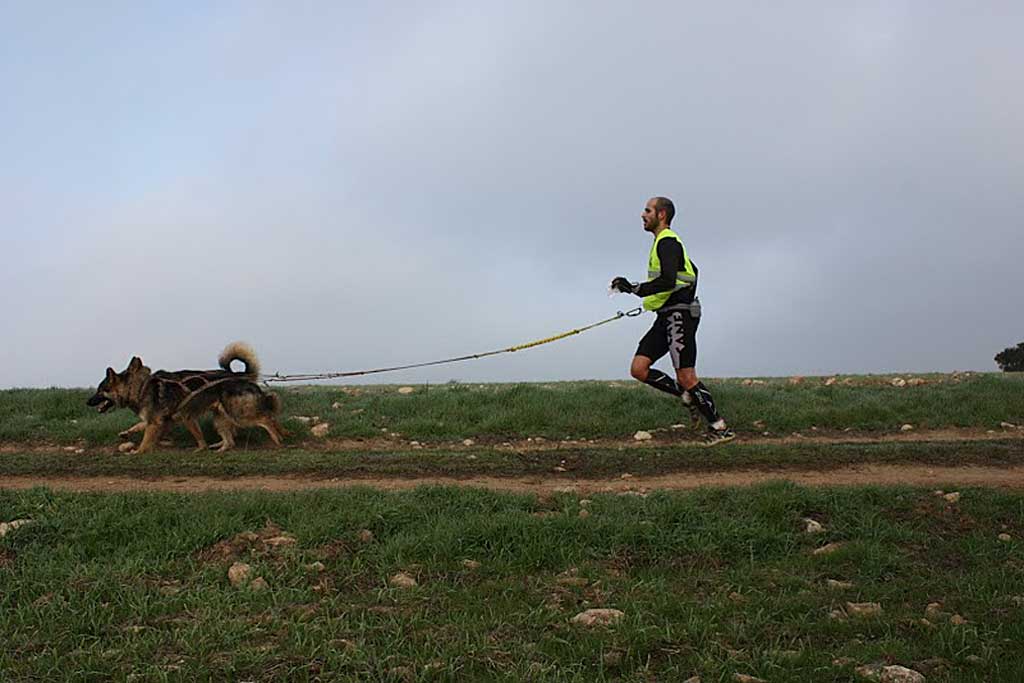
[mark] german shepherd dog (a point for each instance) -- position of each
(161, 398)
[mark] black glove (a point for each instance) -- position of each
(621, 284)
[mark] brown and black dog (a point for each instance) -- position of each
(161, 398)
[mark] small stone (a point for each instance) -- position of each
(863, 609)
(812, 526)
(468, 442)
(365, 535)
(827, 549)
(559, 469)
(276, 541)
(957, 620)
(973, 659)
(414, 443)
(402, 580)
(1008, 425)
(838, 585)
(471, 564)
(953, 497)
(79, 451)
(126, 446)
(405, 390)
(259, 584)
(316, 567)
(303, 419)
(901, 674)
(336, 405)
(69, 449)
(1005, 538)
(320, 430)
(625, 475)
(238, 573)
(759, 424)
(598, 617)
(642, 436)
(907, 428)
(8, 527)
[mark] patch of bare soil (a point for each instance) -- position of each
(860, 475)
(661, 437)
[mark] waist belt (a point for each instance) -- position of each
(692, 308)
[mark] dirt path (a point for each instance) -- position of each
(889, 475)
(661, 437)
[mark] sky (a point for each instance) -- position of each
(354, 185)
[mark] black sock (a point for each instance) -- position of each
(662, 382)
(705, 403)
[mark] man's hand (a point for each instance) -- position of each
(621, 284)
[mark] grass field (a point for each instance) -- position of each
(710, 583)
(574, 410)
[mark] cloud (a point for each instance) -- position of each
(349, 188)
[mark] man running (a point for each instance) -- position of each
(671, 292)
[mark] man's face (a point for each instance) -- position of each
(650, 216)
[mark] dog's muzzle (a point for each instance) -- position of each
(102, 403)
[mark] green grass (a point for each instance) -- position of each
(581, 462)
(712, 583)
(579, 410)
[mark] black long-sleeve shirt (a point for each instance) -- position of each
(670, 253)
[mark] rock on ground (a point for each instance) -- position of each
(901, 674)
(238, 573)
(402, 580)
(598, 617)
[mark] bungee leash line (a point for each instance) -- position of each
(277, 377)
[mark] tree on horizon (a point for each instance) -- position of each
(1011, 359)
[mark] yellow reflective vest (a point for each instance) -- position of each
(684, 278)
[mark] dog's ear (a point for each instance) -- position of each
(111, 374)
(135, 364)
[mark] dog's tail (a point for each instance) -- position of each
(243, 352)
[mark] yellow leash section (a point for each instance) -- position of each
(277, 377)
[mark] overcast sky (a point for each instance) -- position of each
(347, 185)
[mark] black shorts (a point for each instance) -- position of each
(674, 333)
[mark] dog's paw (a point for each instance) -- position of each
(126, 434)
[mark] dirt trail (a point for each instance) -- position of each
(889, 475)
(661, 437)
